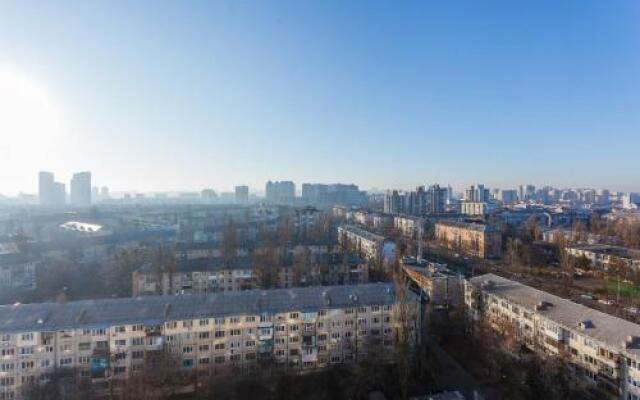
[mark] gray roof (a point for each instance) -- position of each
(605, 328)
(468, 225)
(363, 233)
(152, 310)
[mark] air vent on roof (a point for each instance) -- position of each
(586, 324)
(632, 342)
(487, 284)
(326, 298)
(543, 305)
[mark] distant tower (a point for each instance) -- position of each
(242, 195)
(81, 189)
(45, 188)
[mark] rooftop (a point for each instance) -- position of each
(155, 310)
(363, 233)
(603, 327)
(468, 225)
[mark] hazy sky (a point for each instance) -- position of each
(185, 95)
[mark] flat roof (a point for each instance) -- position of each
(155, 310)
(467, 225)
(605, 328)
(364, 233)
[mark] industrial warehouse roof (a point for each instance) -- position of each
(154, 310)
(605, 328)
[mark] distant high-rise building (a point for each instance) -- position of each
(477, 194)
(50, 193)
(437, 199)
(80, 190)
(508, 196)
(45, 188)
(394, 202)
(104, 192)
(59, 194)
(314, 193)
(242, 194)
(526, 192)
(283, 192)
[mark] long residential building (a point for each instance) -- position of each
(212, 275)
(474, 239)
(368, 244)
(602, 256)
(105, 342)
(600, 347)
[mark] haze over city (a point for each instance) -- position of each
(319, 199)
(382, 94)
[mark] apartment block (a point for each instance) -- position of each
(107, 341)
(601, 348)
(602, 256)
(367, 244)
(408, 226)
(474, 239)
(212, 275)
(18, 271)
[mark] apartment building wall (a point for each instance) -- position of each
(588, 344)
(296, 337)
(472, 239)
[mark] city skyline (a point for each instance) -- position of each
(244, 93)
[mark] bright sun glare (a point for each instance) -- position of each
(30, 121)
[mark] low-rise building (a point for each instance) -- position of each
(603, 255)
(212, 275)
(367, 244)
(18, 271)
(474, 239)
(408, 226)
(441, 286)
(105, 342)
(602, 348)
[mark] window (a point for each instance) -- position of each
(250, 343)
(187, 324)
(121, 342)
(84, 346)
(250, 319)
(234, 320)
(172, 325)
(136, 355)
(219, 321)
(27, 337)
(66, 361)
(219, 346)
(204, 322)
(219, 334)
(137, 328)
(83, 360)
(187, 363)
(203, 347)
(219, 360)
(121, 329)
(187, 349)
(293, 315)
(137, 341)
(203, 335)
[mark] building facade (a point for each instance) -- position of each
(80, 189)
(367, 244)
(106, 342)
(474, 239)
(601, 348)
